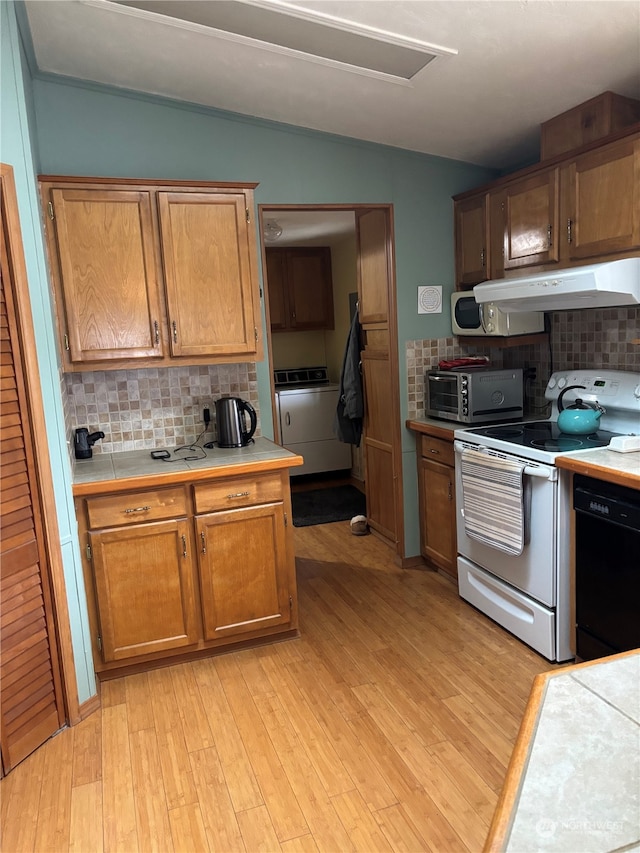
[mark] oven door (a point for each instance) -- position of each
(534, 571)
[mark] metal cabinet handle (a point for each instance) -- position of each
(238, 495)
(287, 419)
(482, 259)
(156, 332)
(175, 332)
(450, 495)
(569, 228)
(433, 450)
(138, 509)
(549, 240)
(204, 544)
(184, 545)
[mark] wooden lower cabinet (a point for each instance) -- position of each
(437, 500)
(244, 582)
(144, 588)
(184, 569)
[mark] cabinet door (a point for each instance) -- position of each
(437, 514)
(244, 571)
(601, 193)
(310, 288)
(276, 260)
(108, 267)
(209, 276)
(471, 234)
(374, 253)
(531, 221)
(144, 588)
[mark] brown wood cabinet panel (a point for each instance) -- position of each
(472, 240)
(207, 266)
(379, 477)
(532, 220)
(135, 507)
(601, 202)
(31, 699)
(300, 288)
(244, 577)
(145, 588)
(372, 239)
(436, 493)
(237, 492)
(108, 267)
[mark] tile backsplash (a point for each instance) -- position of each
(153, 407)
(589, 338)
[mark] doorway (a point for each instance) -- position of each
(360, 241)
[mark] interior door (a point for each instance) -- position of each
(381, 429)
(31, 703)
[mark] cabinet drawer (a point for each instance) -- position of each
(134, 507)
(438, 449)
(239, 491)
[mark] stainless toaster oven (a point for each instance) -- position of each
(474, 395)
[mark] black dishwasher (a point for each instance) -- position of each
(607, 567)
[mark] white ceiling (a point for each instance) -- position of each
(518, 63)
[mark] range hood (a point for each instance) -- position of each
(595, 286)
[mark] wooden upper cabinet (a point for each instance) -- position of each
(152, 272)
(601, 201)
(373, 242)
(531, 220)
(207, 266)
(111, 296)
(300, 288)
(471, 237)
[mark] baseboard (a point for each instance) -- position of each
(90, 706)
(417, 562)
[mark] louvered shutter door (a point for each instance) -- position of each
(30, 705)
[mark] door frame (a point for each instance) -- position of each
(266, 211)
(60, 637)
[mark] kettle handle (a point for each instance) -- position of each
(247, 407)
(564, 391)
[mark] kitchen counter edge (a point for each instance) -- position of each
(434, 427)
(622, 469)
(278, 459)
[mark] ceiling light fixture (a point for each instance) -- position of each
(272, 230)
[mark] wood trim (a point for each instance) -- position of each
(149, 182)
(503, 816)
(51, 535)
(90, 706)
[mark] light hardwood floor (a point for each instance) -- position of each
(387, 726)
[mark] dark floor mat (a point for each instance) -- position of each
(322, 506)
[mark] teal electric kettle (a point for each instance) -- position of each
(580, 418)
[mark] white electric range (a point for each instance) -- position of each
(528, 593)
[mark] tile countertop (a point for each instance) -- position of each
(603, 464)
(574, 779)
(136, 468)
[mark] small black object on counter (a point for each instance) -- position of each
(83, 442)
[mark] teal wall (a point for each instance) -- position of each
(16, 117)
(82, 129)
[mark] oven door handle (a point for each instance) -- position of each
(542, 471)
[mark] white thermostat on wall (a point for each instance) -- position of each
(430, 299)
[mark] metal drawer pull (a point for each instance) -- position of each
(238, 495)
(433, 450)
(138, 509)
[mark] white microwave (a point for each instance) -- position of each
(468, 317)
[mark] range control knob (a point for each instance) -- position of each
(552, 382)
(636, 392)
(489, 327)
(562, 382)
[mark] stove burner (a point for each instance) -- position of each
(561, 444)
(510, 431)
